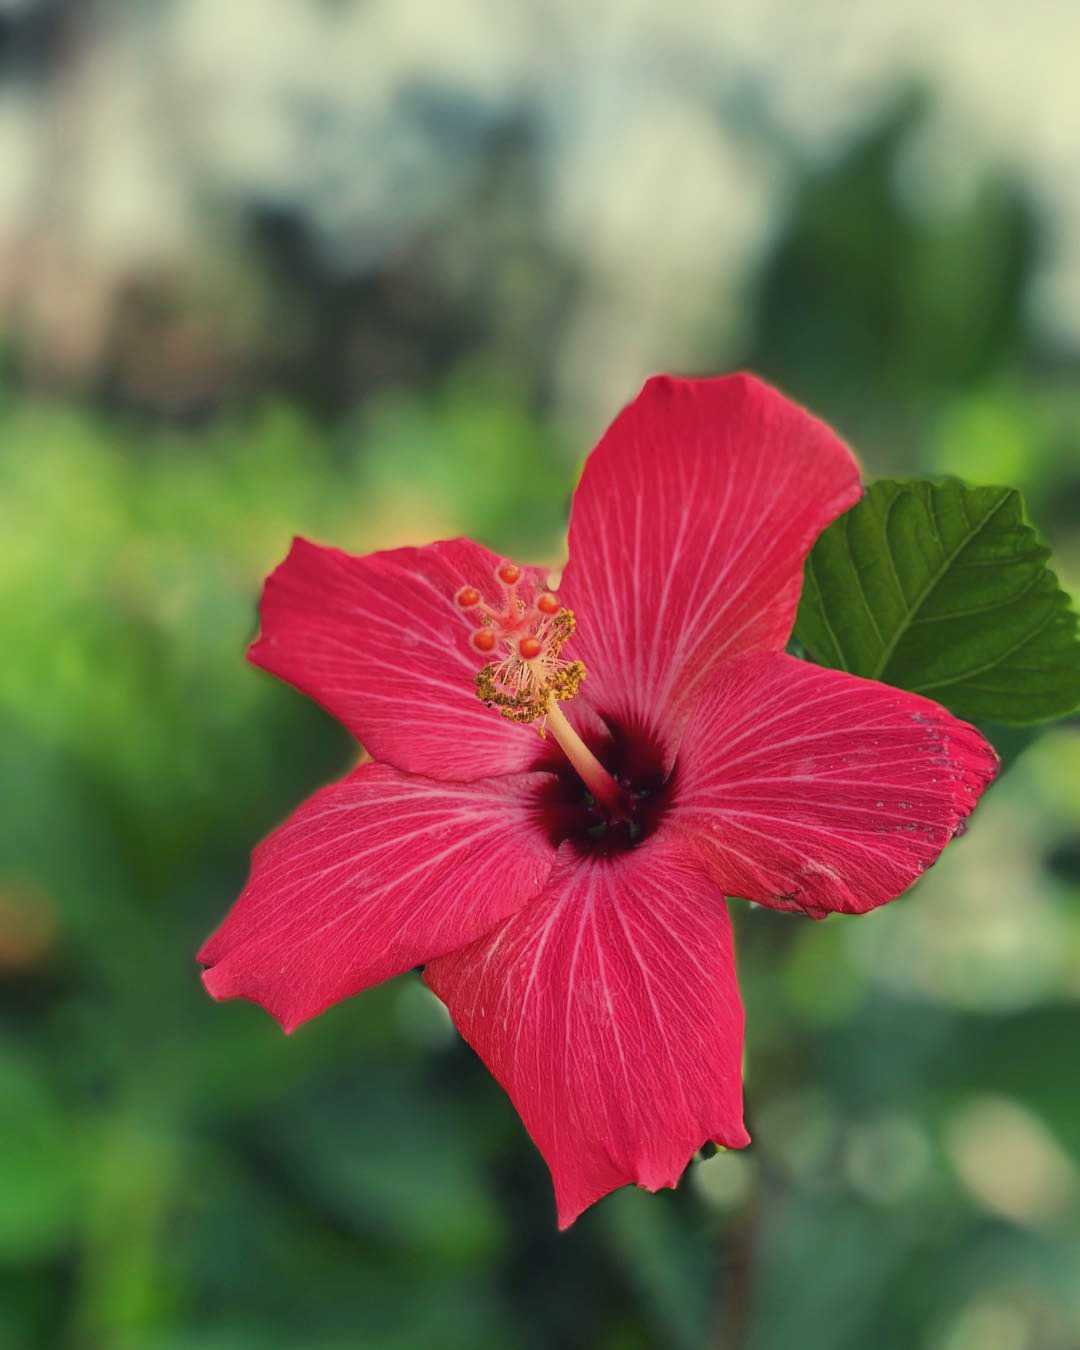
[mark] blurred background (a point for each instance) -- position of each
(378, 272)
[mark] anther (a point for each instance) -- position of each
(530, 648)
(509, 573)
(548, 604)
(468, 597)
(484, 640)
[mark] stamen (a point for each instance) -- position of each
(532, 672)
(530, 679)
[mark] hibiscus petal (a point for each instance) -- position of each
(688, 534)
(609, 1011)
(813, 790)
(381, 644)
(371, 876)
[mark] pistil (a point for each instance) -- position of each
(529, 678)
(588, 768)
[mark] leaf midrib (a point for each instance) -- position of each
(921, 598)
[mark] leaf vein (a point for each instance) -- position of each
(920, 599)
(993, 664)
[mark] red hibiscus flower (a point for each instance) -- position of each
(565, 892)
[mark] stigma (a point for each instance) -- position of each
(524, 637)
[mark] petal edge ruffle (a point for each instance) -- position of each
(810, 789)
(609, 1011)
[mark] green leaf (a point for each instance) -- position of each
(943, 589)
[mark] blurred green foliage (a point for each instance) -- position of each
(179, 1176)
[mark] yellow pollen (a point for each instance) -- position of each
(531, 679)
(521, 688)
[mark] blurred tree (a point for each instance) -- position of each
(878, 303)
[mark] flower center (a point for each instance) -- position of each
(528, 678)
(570, 812)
